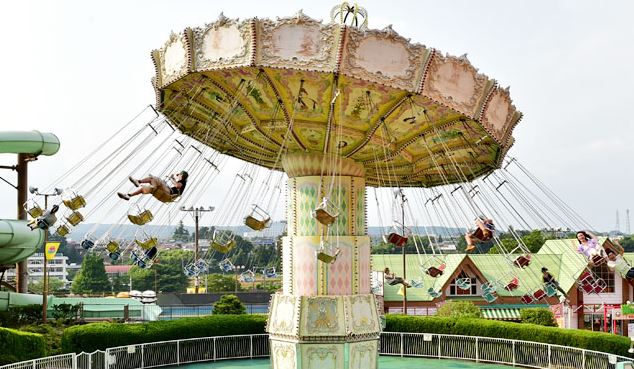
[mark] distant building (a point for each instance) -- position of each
(57, 268)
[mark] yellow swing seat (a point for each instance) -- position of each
(141, 218)
(256, 224)
(327, 258)
(223, 247)
(75, 218)
(74, 202)
(113, 246)
(326, 213)
(62, 230)
(33, 209)
(148, 243)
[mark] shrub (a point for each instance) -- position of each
(17, 316)
(66, 313)
(460, 309)
(20, 346)
(539, 316)
(99, 336)
(597, 341)
(229, 304)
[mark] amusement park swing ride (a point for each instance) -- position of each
(322, 113)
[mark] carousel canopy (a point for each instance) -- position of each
(259, 88)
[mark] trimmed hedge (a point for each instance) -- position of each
(597, 341)
(99, 336)
(19, 346)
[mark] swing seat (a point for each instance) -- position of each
(256, 224)
(539, 294)
(528, 299)
(522, 261)
(141, 218)
(512, 285)
(324, 217)
(226, 265)
(551, 289)
(44, 222)
(87, 244)
(598, 260)
(247, 277)
(201, 264)
(113, 246)
(489, 297)
(416, 283)
(223, 248)
(33, 209)
(463, 283)
(326, 258)
(396, 239)
(434, 272)
(114, 256)
(151, 253)
(62, 230)
(75, 218)
(488, 288)
(190, 270)
(433, 293)
(74, 202)
(270, 273)
(147, 244)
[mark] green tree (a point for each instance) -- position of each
(459, 309)
(229, 304)
(92, 276)
(222, 283)
(54, 286)
(167, 273)
(539, 316)
(181, 233)
(120, 283)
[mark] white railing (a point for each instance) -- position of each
(441, 346)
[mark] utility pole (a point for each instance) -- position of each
(403, 200)
(56, 192)
(196, 214)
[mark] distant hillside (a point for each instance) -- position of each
(165, 232)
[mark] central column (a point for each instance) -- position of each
(325, 317)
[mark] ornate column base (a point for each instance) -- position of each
(324, 332)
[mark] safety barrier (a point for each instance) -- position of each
(480, 349)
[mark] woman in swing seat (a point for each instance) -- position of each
(483, 232)
(158, 187)
(392, 279)
(589, 247)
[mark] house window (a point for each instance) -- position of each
(602, 271)
(455, 290)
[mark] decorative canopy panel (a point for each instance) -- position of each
(258, 89)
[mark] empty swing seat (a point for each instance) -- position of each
(73, 201)
(489, 296)
(512, 285)
(87, 244)
(435, 272)
(141, 218)
(396, 239)
(113, 249)
(226, 265)
(151, 253)
(270, 273)
(528, 299)
(75, 218)
(62, 230)
(202, 265)
(326, 258)
(148, 243)
(522, 261)
(326, 213)
(463, 283)
(255, 224)
(598, 260)
(223, 248)
(539, 294)
(433, 293)
(114, 255)
(247, 277)
(550, 289)
(33, 209)
(415, 283)
(190, 270)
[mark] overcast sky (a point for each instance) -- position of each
(81, 69)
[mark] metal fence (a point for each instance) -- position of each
(170, 312)
(440, 346)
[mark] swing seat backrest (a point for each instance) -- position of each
(433, 272)
(522, 261)
(113, 246)
(223, 248)
(62, 230)
(324, 217)
(75, 218)
(255, 224)
(539, 294)
(148, 243)
(396, 239)
(512, 285)
(489, 297)
(142, 218)
(75, 202)
(527, 299)
(551, 289)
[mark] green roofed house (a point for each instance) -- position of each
(469, 277)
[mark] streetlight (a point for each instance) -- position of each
(196, 214)
(36, 192)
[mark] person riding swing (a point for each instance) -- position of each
(483, 232)
(158, 187)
